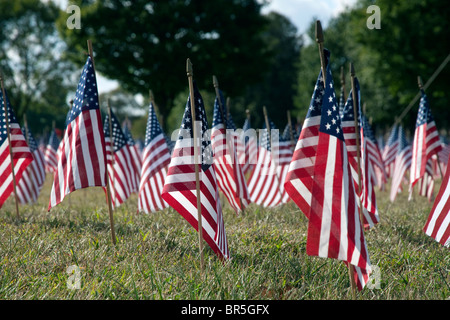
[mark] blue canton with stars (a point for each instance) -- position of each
(200, 116)
(117, 134)
(219, 113)
(330, 121)
(11, 117)
(265, 137)
(403, 143)
(153, 128)
(368, 132)
(31, 141)
(86, 97)
(424, 114)
(128, 136)
(315, 106)
(347, 111)
(53, 140)
(393, 137)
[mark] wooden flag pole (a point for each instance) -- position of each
(291, 133)
(224, 121)
(111, 149)
(190, 74)
(357, 132)
(427, 84)
(319, 40)
(420, 83)
(8, 132)
(343, 82)
(108, 187)
(358, 158)
(266, 119)
(228, 116)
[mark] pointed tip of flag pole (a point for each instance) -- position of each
(189, 69)
(352, 69)
(342, 76)
(319, 32)
(215, 82)
(419, 82)
(151, 96)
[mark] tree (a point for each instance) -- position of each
(412, 41)
(278, 86)
(36, 80)
(144, 44)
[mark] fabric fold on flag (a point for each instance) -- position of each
(230, 177)
(135, 157)
(30, 186)
(51, 152)
(180, 185)
(265, 182)
(438, 222)
(155, 161)
(121, 169)
(248, 157)
(402, 163)
(82, 160)
(426, 142)
(21, 154)
(320, 182)
(366, 192)
(298, 181)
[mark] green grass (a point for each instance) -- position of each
(157, 257)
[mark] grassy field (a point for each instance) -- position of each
(156, 256)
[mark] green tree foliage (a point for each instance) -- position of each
(144, 44)
(36, 80)
(412, 41)
(278, 86)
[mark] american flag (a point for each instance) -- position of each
(230, 177)
(265, 184)
(390, 150)
(180, 184)
(82, 162)
(120, 163)
(22, 156)
(426, 183)
(426, 141)
(249, 157)
(374, 153)
(29, 187)
(334, 228)
(438, 222)
(285, 151)
(155, 160)
(135, 157)
(51, 152)
(402, 163)
(368, 195)
(238, 144)
(298, 182)
(367, 190)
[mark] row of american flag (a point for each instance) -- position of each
(316, 166)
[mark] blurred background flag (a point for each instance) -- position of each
(51, 152)
(155, 160)
(121, 169)
(180, 184)
(21, 154)
(29, 187)
(82, 162)
(230, 177)
(438, 222)
(426, 141)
